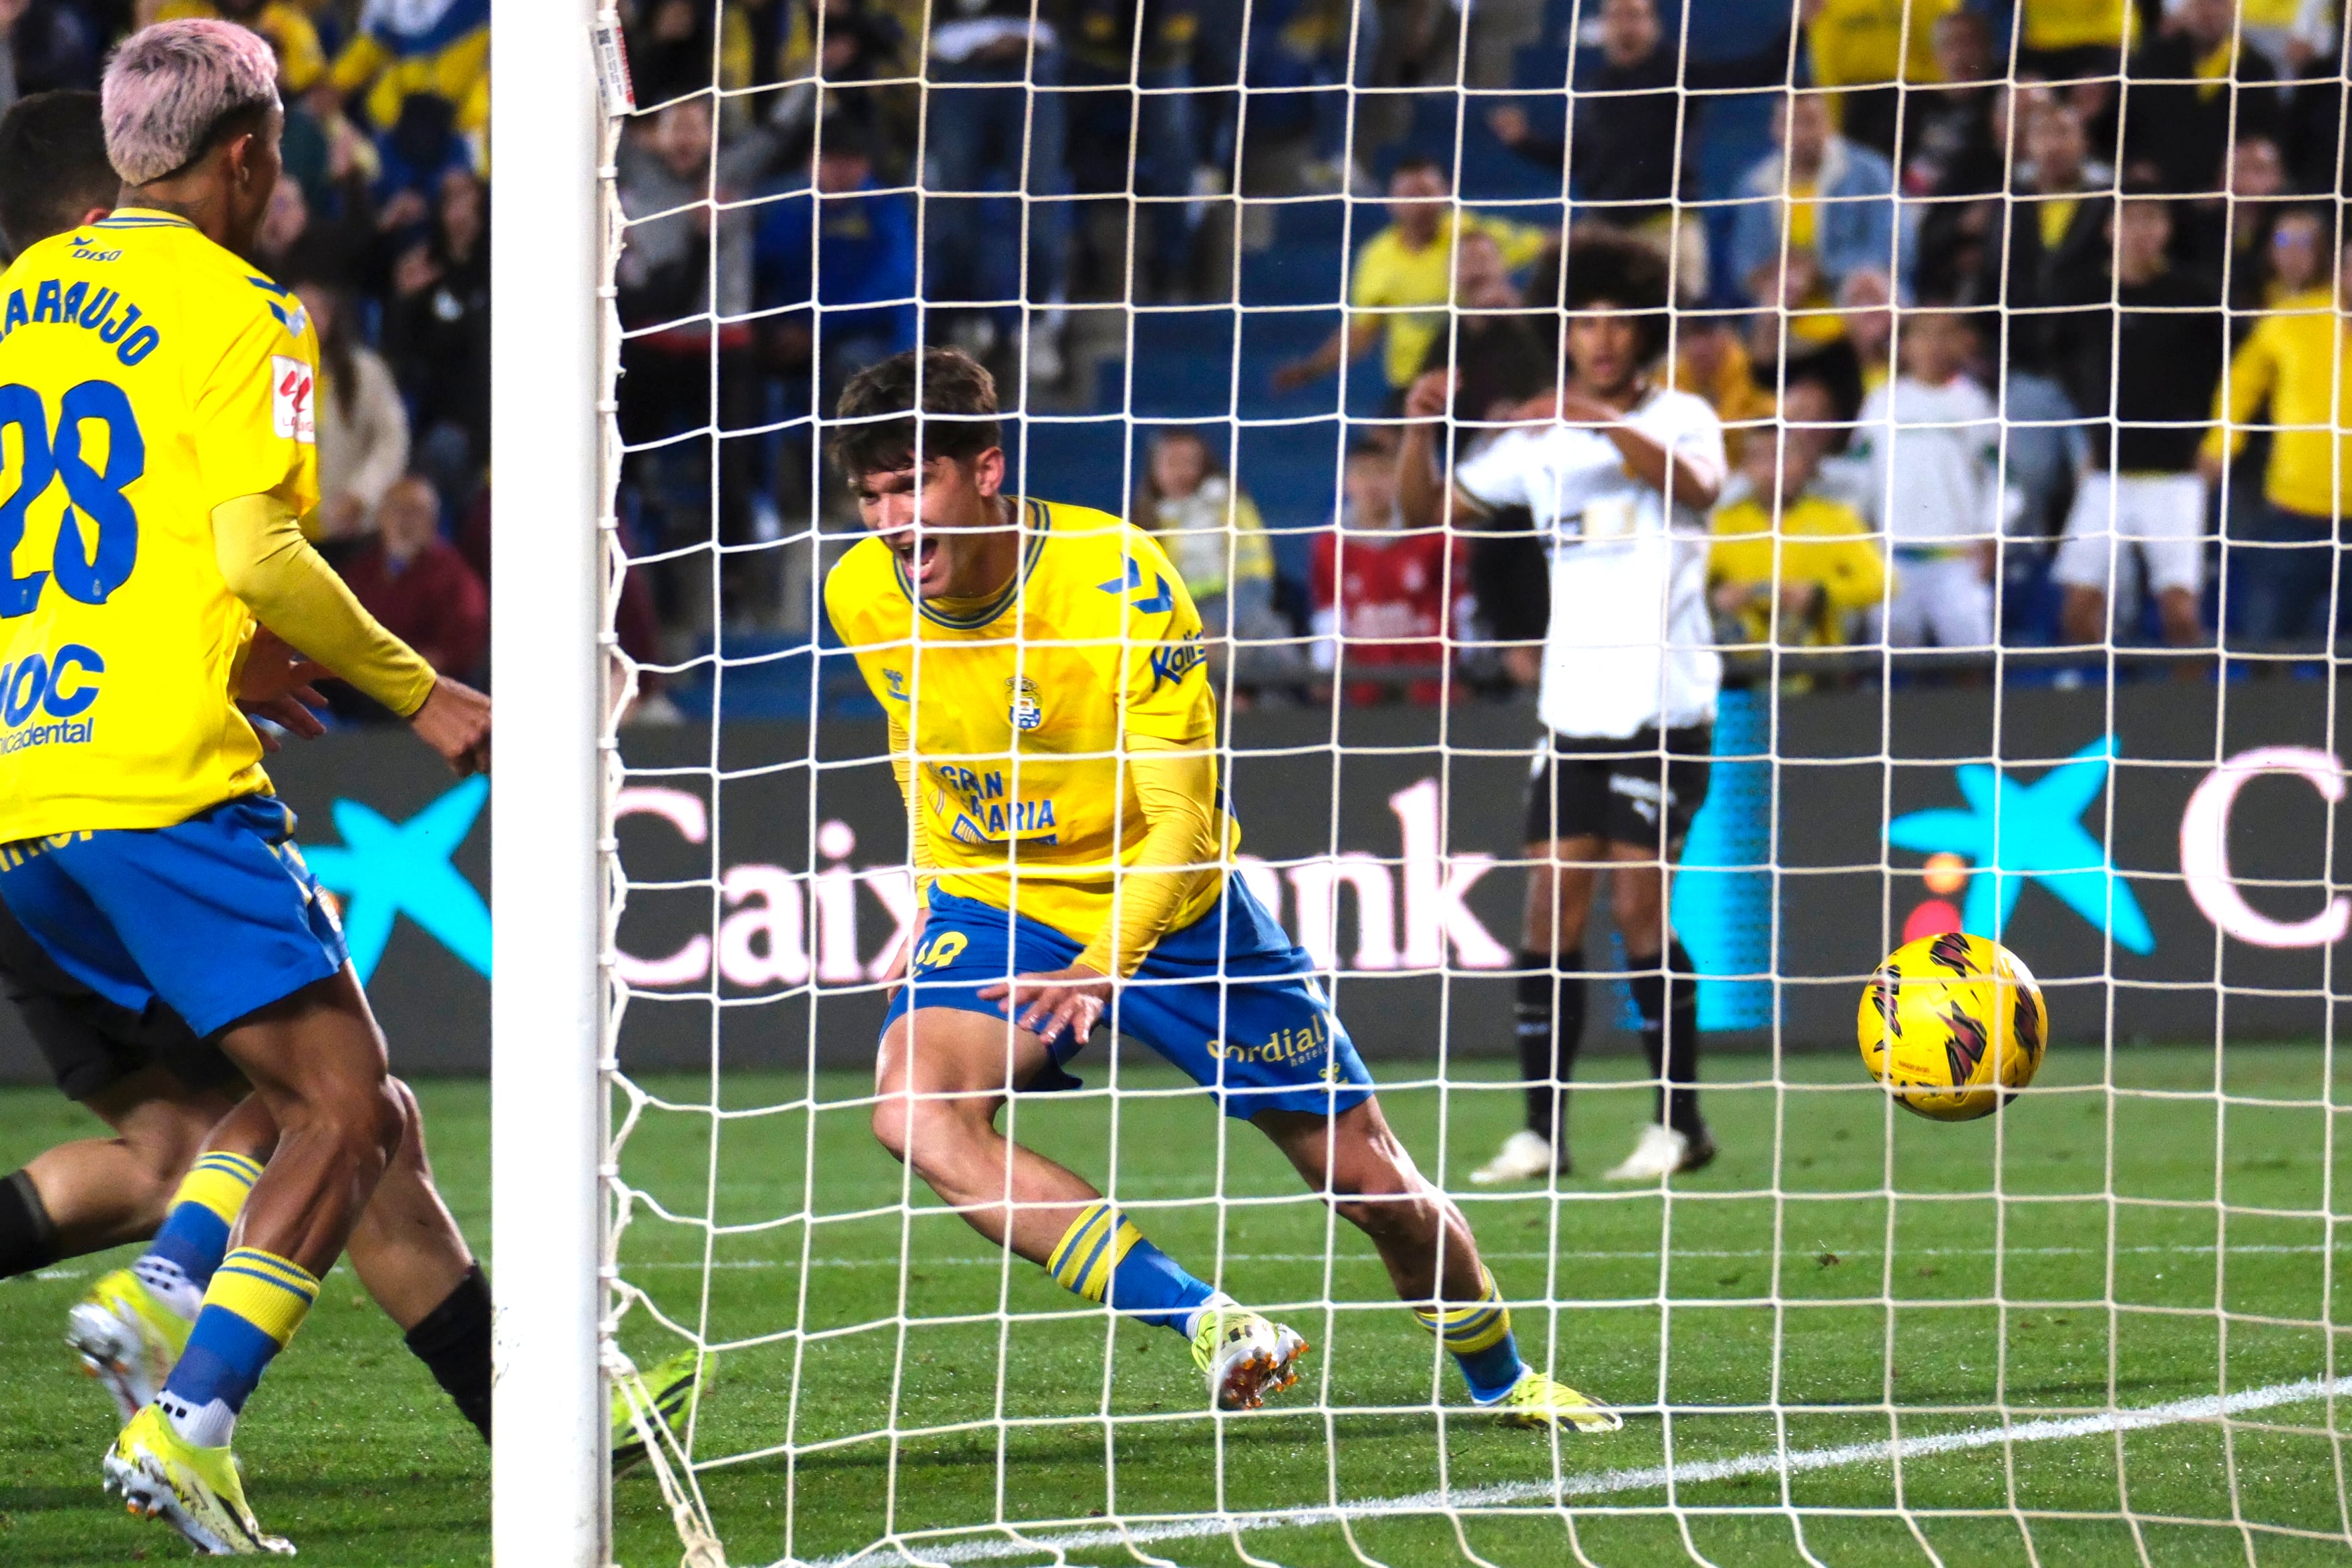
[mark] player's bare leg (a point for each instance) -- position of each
(942, 1078)
(1360, 1168)
(102, 1192)
(1563, 875)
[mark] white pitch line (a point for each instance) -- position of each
(2186, 1249)
(1595, 1483)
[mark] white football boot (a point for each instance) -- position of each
(1525, 1155)
(1664, 1152)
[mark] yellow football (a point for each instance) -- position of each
(1952, 1026)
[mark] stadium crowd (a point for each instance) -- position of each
(1966, 307)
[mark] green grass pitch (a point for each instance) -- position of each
(1830, 1299)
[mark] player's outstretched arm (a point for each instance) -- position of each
(1420, 485)
(265, 560)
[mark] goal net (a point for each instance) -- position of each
(2008, 646)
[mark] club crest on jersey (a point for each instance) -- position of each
(1022, 705)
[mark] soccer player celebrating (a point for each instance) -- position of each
(1053, 729)
(161, 389)
(1619, 473)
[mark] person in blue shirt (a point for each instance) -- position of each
(837, 260)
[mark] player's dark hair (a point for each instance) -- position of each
(956, 385)
(1612, 271)
(53, 166)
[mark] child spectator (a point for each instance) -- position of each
(1790, 564)
(1379, 592)
(1931, 438)
(2149, 366)
(416, 583)
(1212, 531)
(362, 427)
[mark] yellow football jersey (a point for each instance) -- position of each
(147, 375)
(1016, 707)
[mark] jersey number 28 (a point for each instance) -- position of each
(84, 572)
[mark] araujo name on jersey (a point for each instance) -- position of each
(84, 303)
(58, 687)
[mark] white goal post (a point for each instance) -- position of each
(549, 1475)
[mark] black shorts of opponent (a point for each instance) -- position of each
(89, 1043)
(1630, 791)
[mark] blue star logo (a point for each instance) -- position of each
(2017, 833)
(384, 869)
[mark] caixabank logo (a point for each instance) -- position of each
(2014, 832)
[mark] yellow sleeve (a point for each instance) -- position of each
(2253, 371)
(266, 562)
(1369, 281)
(1179, 791)
(1853, 575)
(1519, 243)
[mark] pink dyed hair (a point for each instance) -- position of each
(169, 86)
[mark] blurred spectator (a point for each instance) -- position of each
(1864, 48)
(1506, 357)
(11, 11)
(996, 133)
(2062, 40)
(861, 42)
(1132, 135)
(1382, 596)
(1402, 272)
(1800, 333)
(416, 583)
(437, 335)
(685, 294)
(1632, 120)
(362, 427)
(1711, 363)
(50, 44)
(2227, 235)
(1212, 531)
(1790, 564)
(421, 147)
(679, 47)
(2282, 573)
(864, 243)
(438, 46)
(1931, 438)
(1949, 148)
(1817, 192)
(2296, 258)
(301, 62)
(2145, 372)
(2189, 90)
(2055, 247)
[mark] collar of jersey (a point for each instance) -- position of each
(1040, 523)
(142, 218)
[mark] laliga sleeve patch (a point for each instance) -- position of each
(293, 385)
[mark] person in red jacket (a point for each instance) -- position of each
(417, 584)
(1383, 594)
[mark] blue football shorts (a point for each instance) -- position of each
(1227, 998)
(217, 916)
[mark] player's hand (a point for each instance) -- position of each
(272, 669)
(290, 713)
(1046, 1005)
(456, 722)
(1431, 396)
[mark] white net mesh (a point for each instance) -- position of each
(2009, 645)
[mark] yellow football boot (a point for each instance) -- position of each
(161, 1475)
(1245, 1356)
(127, 1338)
(671, 1388)
(1536, 1400)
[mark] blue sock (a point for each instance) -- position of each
(255, 1303)
(1479, 1336)
(1103, 1256)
